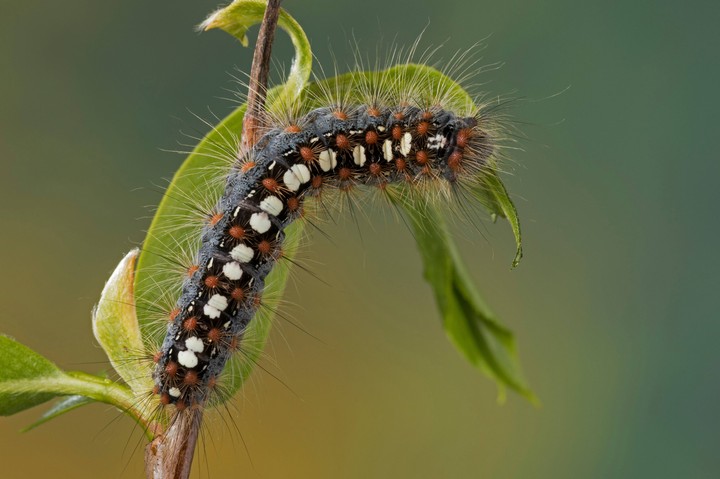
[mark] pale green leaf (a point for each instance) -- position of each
(28, 379)
(20, 369)
(468, 322)
(116, 328)
(240, 15)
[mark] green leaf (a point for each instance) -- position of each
(21, 369)
(237, 18)
(61, 407)
(116, 327)
(28, 379)
(468, 322)
(240, 15)
(491, 192)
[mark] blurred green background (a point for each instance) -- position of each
(614, 304)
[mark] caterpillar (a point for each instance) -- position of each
(408, 132)
(327, 149)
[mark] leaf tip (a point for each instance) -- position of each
(235, 19)
(215, 20)
(518, 257)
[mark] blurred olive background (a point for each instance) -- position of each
(614, 304)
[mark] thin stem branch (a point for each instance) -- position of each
(257, 89)
(170, 455)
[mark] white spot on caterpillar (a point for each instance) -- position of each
(193, 343)
(359, 155)
(291, 181)
(211, 312)
(328, 160)
(272, 165)
(387, 150)
(232, 271)
(405, 144)
(302, 173)
(174, 392)
(218, 301)
(272, 205)
(381, 128)
(314, 139)
(187, 359)
(242, 253)
(436, 142)
(260, 222)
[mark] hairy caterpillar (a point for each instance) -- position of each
(221, 242)
(409, 133)
(326, 149)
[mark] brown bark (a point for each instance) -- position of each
(257, 89)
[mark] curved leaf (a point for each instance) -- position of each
(491, 193)
(240, 15)
(116, 328)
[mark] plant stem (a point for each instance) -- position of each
(257, 89)
(170, 455)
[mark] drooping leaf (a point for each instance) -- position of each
(468, 322)
(491, 193)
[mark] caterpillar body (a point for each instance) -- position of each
(408, 144)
